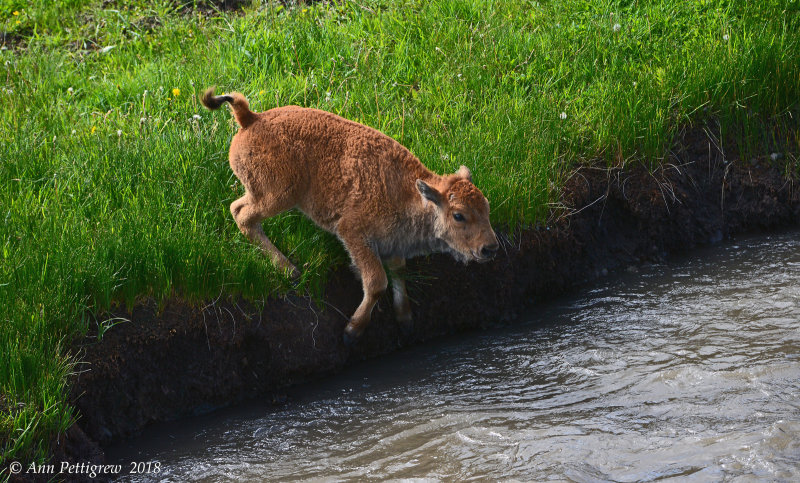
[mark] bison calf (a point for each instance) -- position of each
(358, 184)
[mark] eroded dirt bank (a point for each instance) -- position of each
(181, 360)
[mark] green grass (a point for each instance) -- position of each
(111, 192)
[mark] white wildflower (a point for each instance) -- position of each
(726, 37)
(196, 117)
(70, 91)
(617, 27)
(142, 120)
(119, 132)
(74, 132)
(635, 84)
(563, 115)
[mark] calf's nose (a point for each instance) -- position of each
(489, 251)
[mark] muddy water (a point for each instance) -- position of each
(688, 371)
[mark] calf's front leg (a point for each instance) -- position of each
(373, 280)
(402, 307)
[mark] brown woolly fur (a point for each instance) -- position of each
(355, 182)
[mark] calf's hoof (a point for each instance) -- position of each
(349, 340)
(406, 326)
(350, 336)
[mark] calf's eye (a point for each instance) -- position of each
(458, 217)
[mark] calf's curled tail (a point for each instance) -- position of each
(241, 108)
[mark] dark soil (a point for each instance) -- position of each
(180, 359)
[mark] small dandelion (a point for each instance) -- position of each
(726, 37)
(261, 92)
(94, 128)
(15, 13)
(70, 91)
(563, 115)
(616, 27)
(304, 10)
(142, 120)
(119, 133)
(176, 92)
(17, 22)
(74, 132)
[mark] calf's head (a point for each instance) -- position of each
(462, 217)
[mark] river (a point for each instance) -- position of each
(687, 371)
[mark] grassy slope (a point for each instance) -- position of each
(111, 191)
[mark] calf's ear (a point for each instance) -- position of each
(465, 173)
(429, 193)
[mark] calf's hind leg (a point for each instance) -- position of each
(248, 213)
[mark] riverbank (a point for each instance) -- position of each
(177, 360)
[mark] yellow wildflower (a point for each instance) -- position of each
(176, 92)
(94, 128)
(261, 93)
(15, 13)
